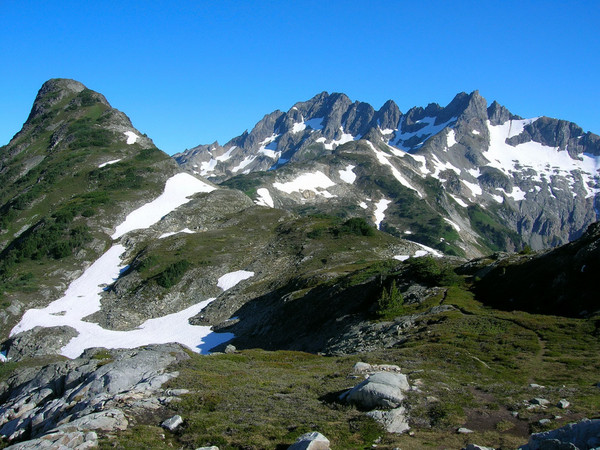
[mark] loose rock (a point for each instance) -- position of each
(463, 430)
(563, 404)
(172, 423)
(394, 421)
(310, 441)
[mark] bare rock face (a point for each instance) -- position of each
(38, 342)
(67, 399)
(580, 435)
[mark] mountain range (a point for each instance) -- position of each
(334, 229)
(496, 181)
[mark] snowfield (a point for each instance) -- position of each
(177, 190)
(82, 297)
(546, 161)
(316, 182)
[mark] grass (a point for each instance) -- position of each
(473, 366)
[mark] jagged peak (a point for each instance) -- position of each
(498, 114)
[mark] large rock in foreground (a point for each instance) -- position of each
(382, 389)
(577, 436)
(85, 394)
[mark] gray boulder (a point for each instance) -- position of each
(172, 423)
(382, 389)
(581, 435)
(310, 441)
(394, 420)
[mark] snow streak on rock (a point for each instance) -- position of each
(264, 198)
(82, 297)
(316, 182)
(177, 190)
(379, 213)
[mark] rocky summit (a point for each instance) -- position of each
(338, 277)
(464, 178)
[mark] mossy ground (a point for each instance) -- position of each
(473, 367)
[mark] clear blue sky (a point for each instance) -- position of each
(202, 71)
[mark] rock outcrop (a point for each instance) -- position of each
(66, 400)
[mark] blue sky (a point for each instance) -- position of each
(202, 71)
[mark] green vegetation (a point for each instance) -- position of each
(172, 274)
(499, 236)
(433, 271)
(391, 302)
(470, 362)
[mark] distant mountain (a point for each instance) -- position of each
(465, 178)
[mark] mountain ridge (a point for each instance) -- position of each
(482, 155)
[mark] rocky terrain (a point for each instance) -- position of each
(464, 178)
(336, 239)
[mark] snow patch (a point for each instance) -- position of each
(131, 137)
(348, 175)
(440, 167)
(363, 205)
(248, 160)
(231, 279)
(423, 134)
(379, 213)
(498, 198)
(315, 124)
(454, 225)
(177, 190)
(268, 147)
(264, 198)
(474, 188)
(459, 200)
(401, 257)
(108, 163)
(450, 138)
(172, 233)
(225, 156)
(298, 127)
(475, 132)
(383, 159)
(316, 182)
(434, 252)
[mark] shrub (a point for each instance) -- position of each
(357, 226)
(172, 274)
(391, 302)
(432, 271)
